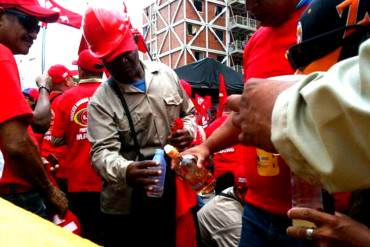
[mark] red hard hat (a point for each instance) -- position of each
(107, 32)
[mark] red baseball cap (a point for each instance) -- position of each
(59, 73)
(87, 61)
(107, 32)
(32, 8)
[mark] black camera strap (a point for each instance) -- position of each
(113, 84)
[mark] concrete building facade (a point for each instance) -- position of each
(179, 32)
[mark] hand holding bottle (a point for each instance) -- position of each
(185, 166)
(137, 174)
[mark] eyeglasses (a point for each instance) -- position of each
(30, 23)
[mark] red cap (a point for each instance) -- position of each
(107, 32)
(32, 8)
(59, 73)
(87, 61)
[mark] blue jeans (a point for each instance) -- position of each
(261, 228)
(30, 201)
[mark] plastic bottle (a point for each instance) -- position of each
(200, 179)
(157, 190)
(307, 196)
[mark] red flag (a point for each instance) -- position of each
(83, 45)
(222, 95)
(66, 16)
(139, 39)
(200, 113)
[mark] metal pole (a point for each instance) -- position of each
(43, 45)
(43, 49)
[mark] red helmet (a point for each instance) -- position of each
(107, 32)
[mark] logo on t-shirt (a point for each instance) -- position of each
(80, 117)
(79, 112)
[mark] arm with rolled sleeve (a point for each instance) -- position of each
(105, 152)
(321, 126)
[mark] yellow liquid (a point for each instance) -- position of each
(303, 223)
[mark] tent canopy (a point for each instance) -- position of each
(205, 73)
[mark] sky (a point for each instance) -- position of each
(62, 41)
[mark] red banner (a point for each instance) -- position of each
(66, 16)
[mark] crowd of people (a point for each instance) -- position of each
(78, 150)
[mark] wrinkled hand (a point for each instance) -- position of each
(44, 81)
(56, 201)
(181, 139)
(254, 109)
(138, 174)
(332, 230)
(201, 152)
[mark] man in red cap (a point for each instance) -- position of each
(24, 180)
(120, 153)
(61, 81)
(70, 127)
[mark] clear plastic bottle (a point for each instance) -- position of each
(157, 190)
(200, 179)
(307, 196)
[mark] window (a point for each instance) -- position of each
(145, 30)
(199, 55)
(220, 58)
(191, 29)
(220, 34)
(148, 47)
(198, 5)
(218, 10)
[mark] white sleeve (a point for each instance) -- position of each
(321, 126)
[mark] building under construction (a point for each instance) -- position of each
(179, 32)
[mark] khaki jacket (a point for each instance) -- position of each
(152, 112)
(321, 126)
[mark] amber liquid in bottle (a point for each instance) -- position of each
(200, 179)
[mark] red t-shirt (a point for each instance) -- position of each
(47, 147)
(71, 124)
(12, 105)
(264, 56)
(231, 158)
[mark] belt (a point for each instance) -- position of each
(8, 189)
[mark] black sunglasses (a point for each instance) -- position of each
(30, 23)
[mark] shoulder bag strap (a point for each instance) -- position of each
(118, 92)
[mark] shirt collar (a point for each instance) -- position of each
(98, 80)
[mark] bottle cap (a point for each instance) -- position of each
(171, 151)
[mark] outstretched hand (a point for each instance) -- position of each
(201, 152)
(332, 230)
(254, 111)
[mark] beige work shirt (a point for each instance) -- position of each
(152, 112)
(321, 126)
